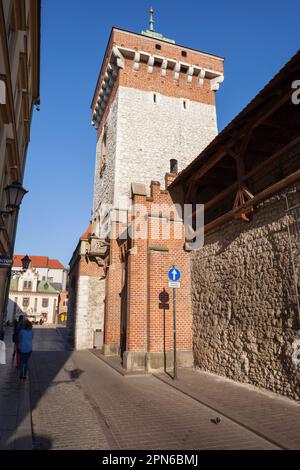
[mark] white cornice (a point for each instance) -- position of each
(116, 61)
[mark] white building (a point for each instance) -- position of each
(50, 270)
(29, 295)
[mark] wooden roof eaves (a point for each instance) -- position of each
(243, 122)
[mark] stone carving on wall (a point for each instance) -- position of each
(98, 247)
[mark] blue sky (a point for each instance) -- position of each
(256, 38)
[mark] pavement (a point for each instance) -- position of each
(265, 413)
(75, 400)
(15, 415)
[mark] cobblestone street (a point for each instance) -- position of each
(80, 402)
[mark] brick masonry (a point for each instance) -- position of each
(145, 132)
(146, 311)
(243, 298)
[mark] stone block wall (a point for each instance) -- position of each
(86, 301)
(104, 183)
(245, 316)
(150, 134)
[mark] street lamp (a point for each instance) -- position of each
(14, 195)
(25, 262)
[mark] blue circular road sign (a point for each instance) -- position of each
(174, 274)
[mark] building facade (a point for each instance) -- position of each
(238, 304)
(86, 294)
(154, 102)
(50, 270)
(62, 307)
(29, 295)
(19, 92)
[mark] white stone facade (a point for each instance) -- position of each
(15, 305)
(48, 274)
(144, 135)
(26, 297)
(89, 311)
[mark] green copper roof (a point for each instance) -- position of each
(152, 34)
(44, 286)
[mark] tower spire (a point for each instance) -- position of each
(151, 22)
(151, 32)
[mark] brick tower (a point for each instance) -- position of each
(154, 101)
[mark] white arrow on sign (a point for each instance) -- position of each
(174, 274)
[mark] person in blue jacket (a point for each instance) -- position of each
(18, 325)
(25, 347)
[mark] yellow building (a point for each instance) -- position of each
(20, 23)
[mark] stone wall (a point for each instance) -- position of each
(244, 308)
(104, 184)
(90, 310)
(96, 303)
(150, 134)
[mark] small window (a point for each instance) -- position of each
(173, 166)
(103, 152)
(158, 46)
(26, 301)
(184, 53)
(35, 305)
(154, 98)
(45, 303)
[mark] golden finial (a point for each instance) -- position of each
(151, 22)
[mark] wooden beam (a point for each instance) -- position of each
(272, 159)
(218, 198)
(245, 142)
(263, 195)
(255, 170)
(272, 109)
(191, 190)
(207, 166)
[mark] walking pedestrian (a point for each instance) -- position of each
(25, 346)
(18, 325)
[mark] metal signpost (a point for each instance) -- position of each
(174, 283)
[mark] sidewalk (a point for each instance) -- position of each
(265, 413)
(15, 415)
